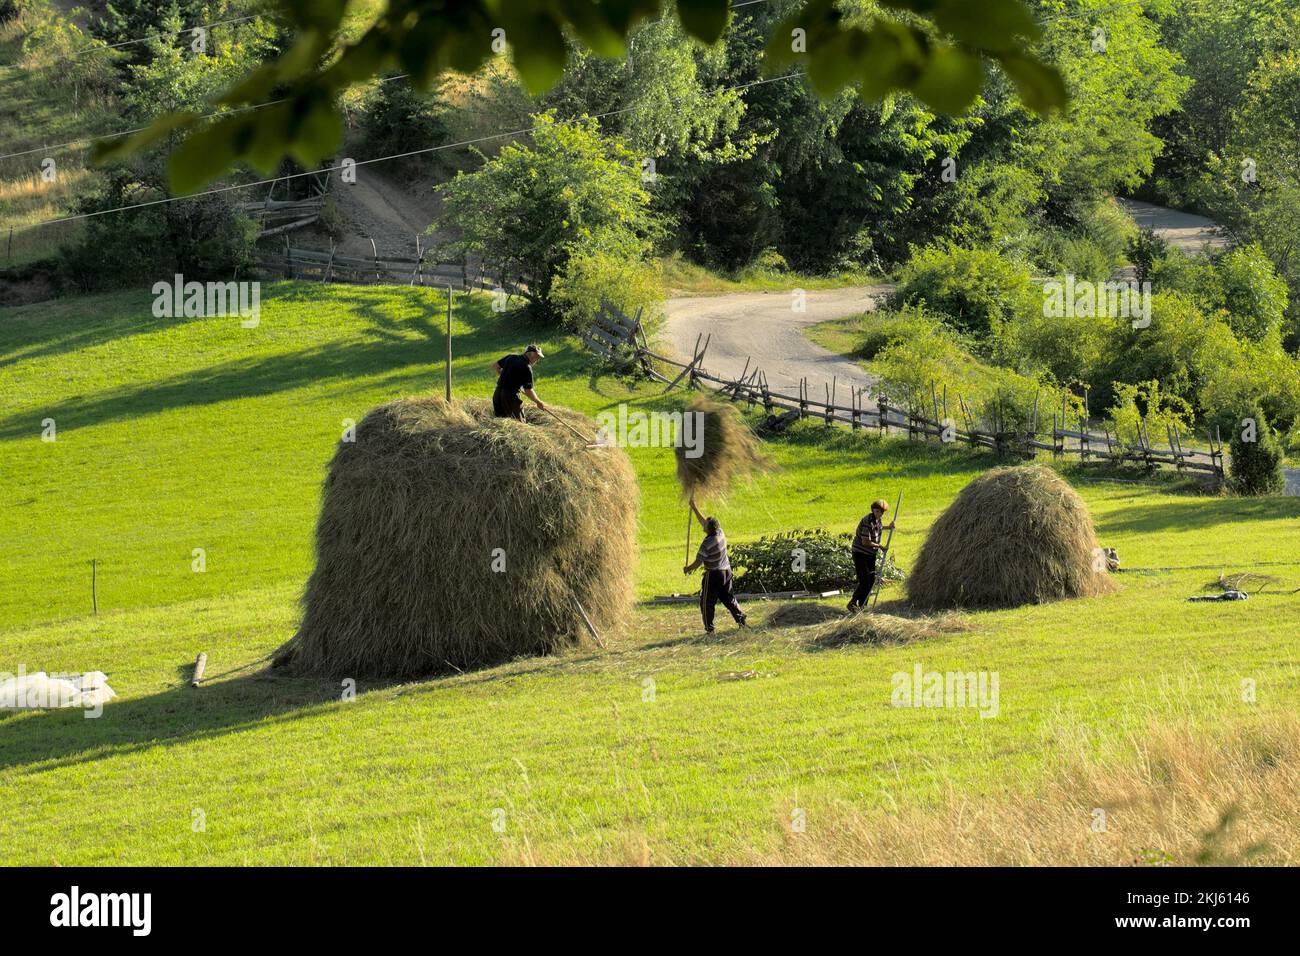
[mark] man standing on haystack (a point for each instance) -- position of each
(515, 374)
(866, 546)
(716, 585)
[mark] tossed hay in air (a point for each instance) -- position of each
(450, 540)
(1013, 536)
(729, 450)
(882, 629)
(803, 613)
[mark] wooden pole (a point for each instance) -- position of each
(884, 557)
(449, 342)
(94, 586)
(587, 621)
(200, 664)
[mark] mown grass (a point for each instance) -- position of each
(179, 434)
(681, 277)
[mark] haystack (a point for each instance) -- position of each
(802, 613)
(1013, 536)
(450, 540)
(729, 450)
(882, 629)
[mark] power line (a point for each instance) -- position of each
(378, 159)
(93, 48)
(139, 129)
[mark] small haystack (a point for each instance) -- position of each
(803, 613)
(729, 451)
(450, 540)
(868, 627)
(1013, 536)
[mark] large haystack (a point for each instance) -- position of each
(409, 579)
(729, 451)
(1013, 536)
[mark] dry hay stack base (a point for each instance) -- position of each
(867, 627)
(409, 580)
(1013, 536)
(802, 614)
(729, 450)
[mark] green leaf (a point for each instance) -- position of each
(323, 15)
(317, 133)
(951, 81)
(703, 19)
(203, 156)
(111, 149)
(987, 24)
(538, 52)
(1039, 85)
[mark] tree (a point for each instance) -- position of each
(527, 210)
(1255, 456)
(936, 49)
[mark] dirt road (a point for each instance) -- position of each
(1187, 231)
(764, 326)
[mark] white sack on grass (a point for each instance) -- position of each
(39, 691)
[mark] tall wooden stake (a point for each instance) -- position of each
(884, 557)
(449, 342)
(94, 586)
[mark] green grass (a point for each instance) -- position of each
(179, 434)
(681, 277)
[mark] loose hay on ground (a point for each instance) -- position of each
(729, 451)
(803, 613)
(869, 627)
(1013, 536)
(414, 511)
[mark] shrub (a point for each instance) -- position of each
(1255, 456)
(592, 276)
(1253, 293)
(977, 289)
(397, 119)
(769, 564)
(1145, 249)
(886, 328)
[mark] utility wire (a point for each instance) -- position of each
(379, 159)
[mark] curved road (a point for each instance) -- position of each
(764, 327)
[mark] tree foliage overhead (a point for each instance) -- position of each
(934, 49)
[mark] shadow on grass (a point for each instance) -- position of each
(183, 715)
(394, 343)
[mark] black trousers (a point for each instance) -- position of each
(507, 406)
(716, 587)
(865, 566)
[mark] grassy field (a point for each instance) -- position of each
(173, 435)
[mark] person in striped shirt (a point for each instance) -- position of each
(716, 585)
(866, 546)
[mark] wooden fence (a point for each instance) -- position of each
(884, 415)
(327, 265)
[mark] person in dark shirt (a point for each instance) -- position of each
(866, 547)
(515, 374)
(716, 585)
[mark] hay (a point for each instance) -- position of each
(729, 451)
(803, 613)
(413, 513)
(882, 629)
(1013, 536)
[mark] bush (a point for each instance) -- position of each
(885, 328)
(590, 277)
(1145, 250)
(770, 562)
(1253, 293)
(1255, 456)
(977, 289)
(203, 238)
(397, 119)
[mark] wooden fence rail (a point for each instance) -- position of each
(752, 387)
